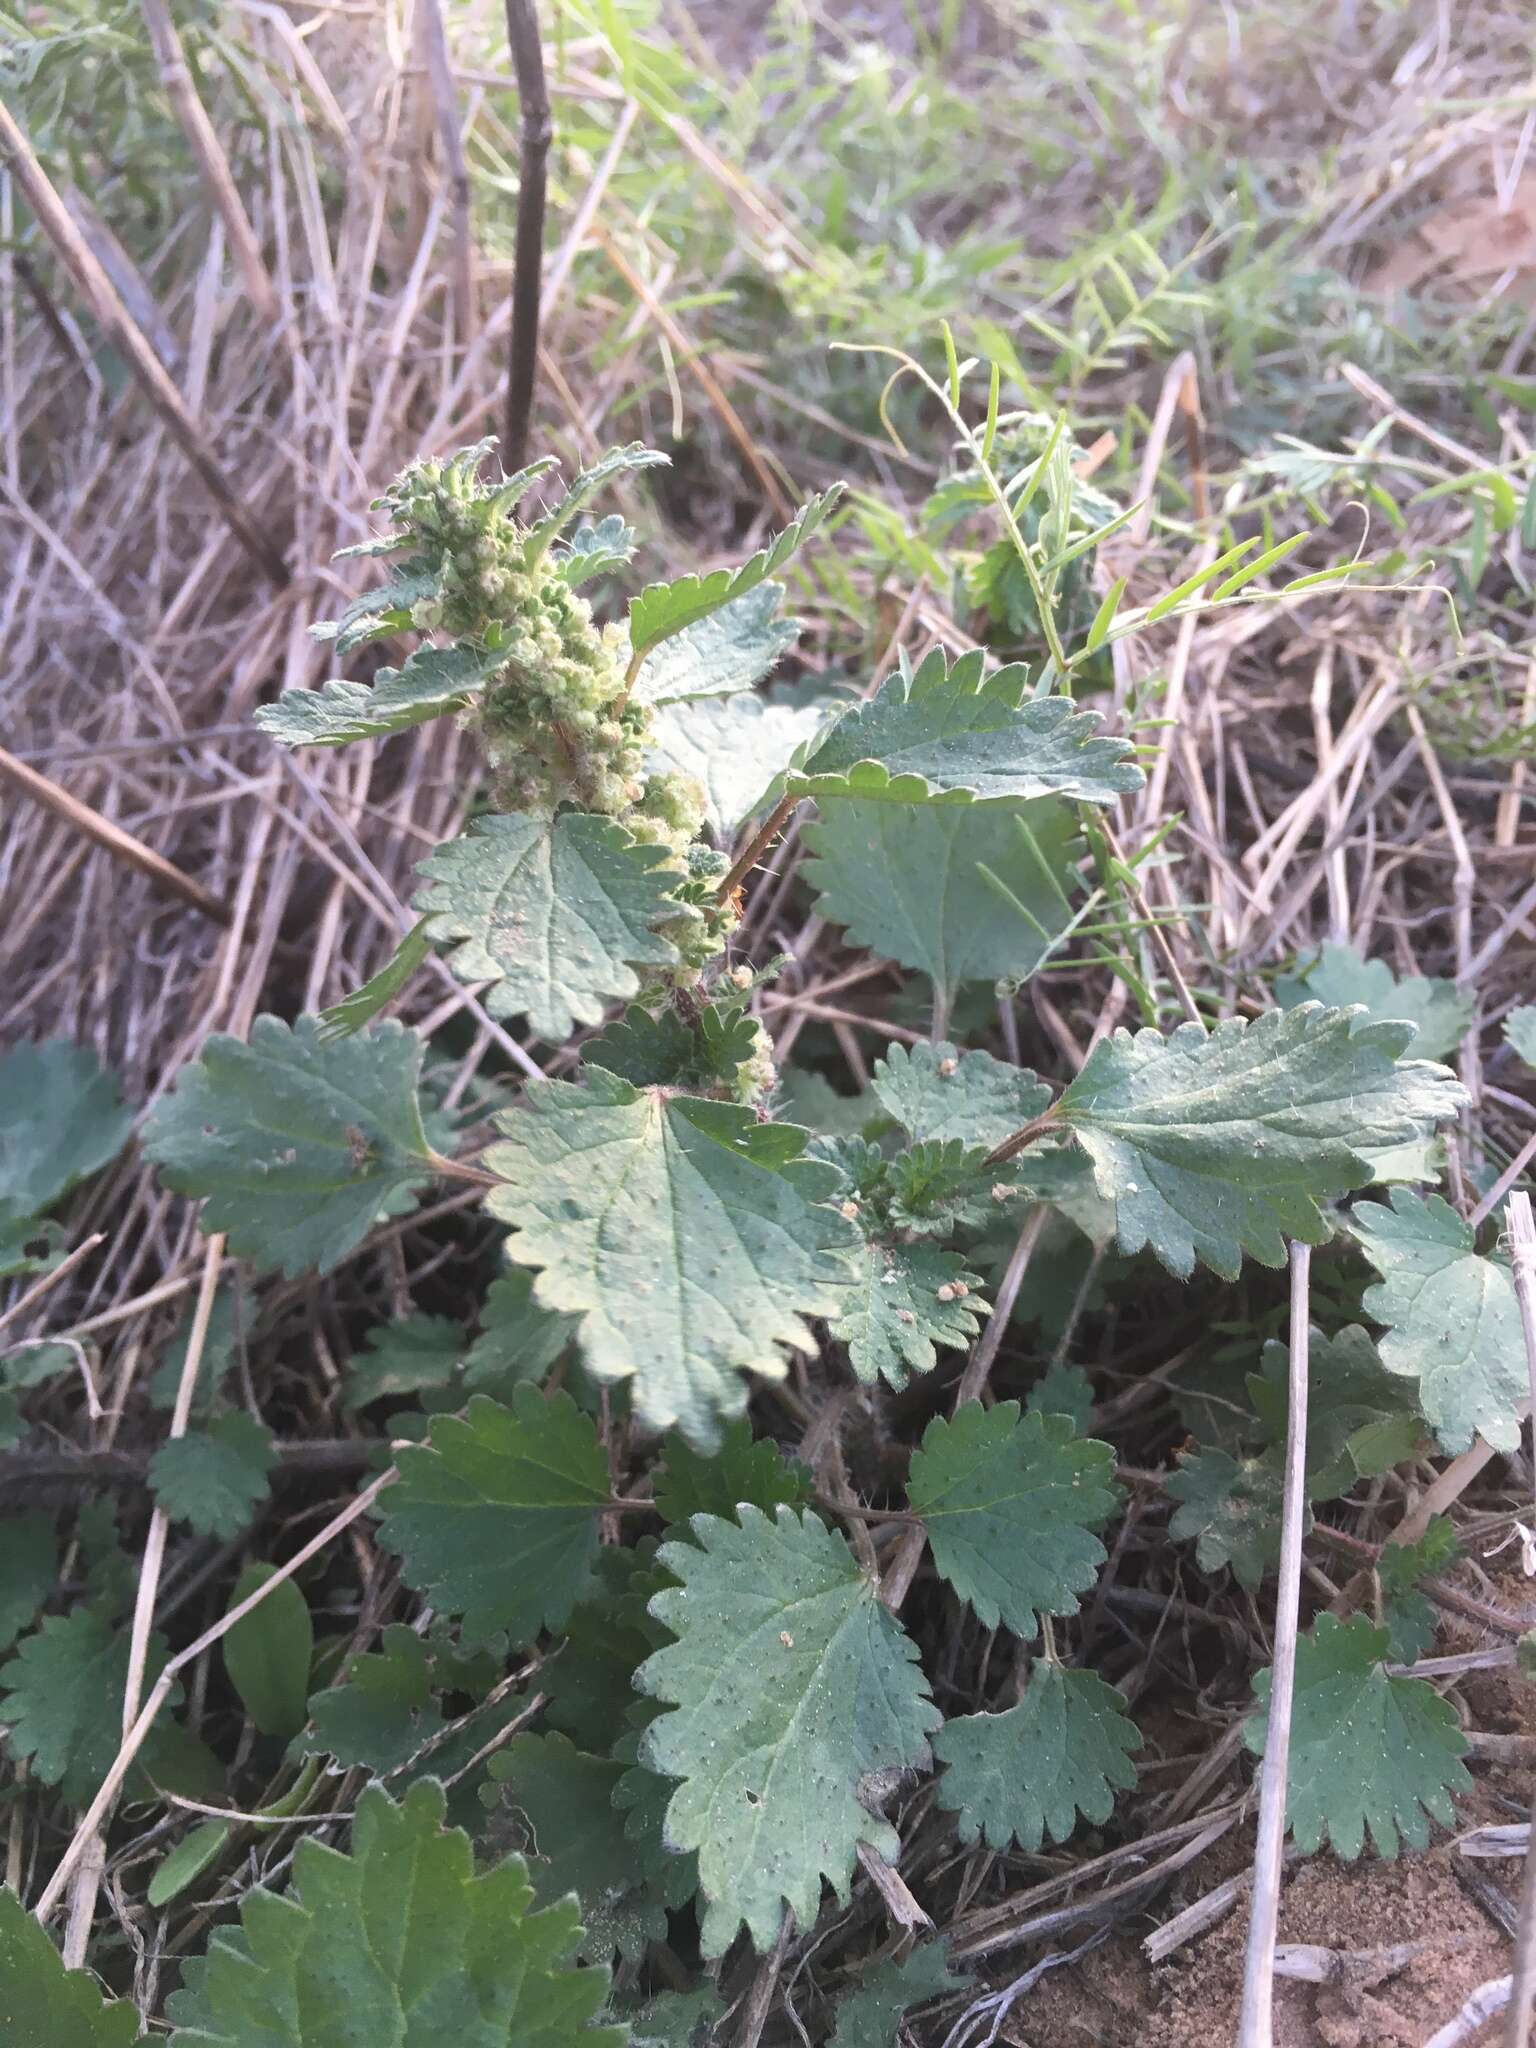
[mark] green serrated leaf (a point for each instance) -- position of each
(267, 1655)
(791, 1685)
(64, 1699)
(596, 549)
(664, 1052)
(1028, 1773)
(744, 1468)
(402, 1940)
(221, 1345)
(298, 1146)
(214, 1479)
(955, 735)
(869, 2016)
(720, 655)
(663, 609)
(414, 1355)
(495, 1517)
(1063, 1390)
(518, 1340)
(43, 2005)
(1520, 1033)
(29, 1566)
(691, 1240)
(575, 1841)
(434, 680)
(61, 1120)
(555, 913)
(958, 894)
(937, 1091)
(383, 610)
(910, 1298)
(1451, 1316)
(1367, 1751)
(676, 2019)
(1361, 1420)
(1010, 1502)
(1213, 1145)
(382, 1712)
(591, 1682)
(1339, 976)
(733, 747)
(585, 487)
(342, 1019)
(1230, 1509)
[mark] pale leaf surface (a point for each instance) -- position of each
(899, 1312)
(556, 914)
(719, 655)
(733, 747)
(434, 680)
(691, 1240)
(1339, 975)
(937, 1091)
(791, 1685)
(1452, 1319)
(662, 609)
(1063, 1751)
(1212, 1145)
(1010, 1502)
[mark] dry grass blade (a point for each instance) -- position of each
(1522, 1249)
(1256, 2022)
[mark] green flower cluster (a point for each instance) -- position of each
(557, 721)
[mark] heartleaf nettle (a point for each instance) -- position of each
(706, 1637)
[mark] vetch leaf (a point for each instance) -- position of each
(727, 652)
(43, 2005)
(267, 1655)
(434, 680)
(495, 1517)
(910, 1298)
(744, 1468)
(733, 747)
(1230, 1509)
(936, 1091)
(791, 1685)
(1010, 1502)
(869, 2016)
(1339, 976)
(298, 1145)
(691, 1240)
(958, 894)
(555, 913)
(663, 609)
(1213, 1145)
(187, 1861)
(1452, 1320)
(955, 735)
(1367, 1751)
(401, 1942)
(1028, 1773)
(215, 1478)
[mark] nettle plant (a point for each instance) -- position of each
(712, 1727)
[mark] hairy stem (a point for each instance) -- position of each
(528, 255)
